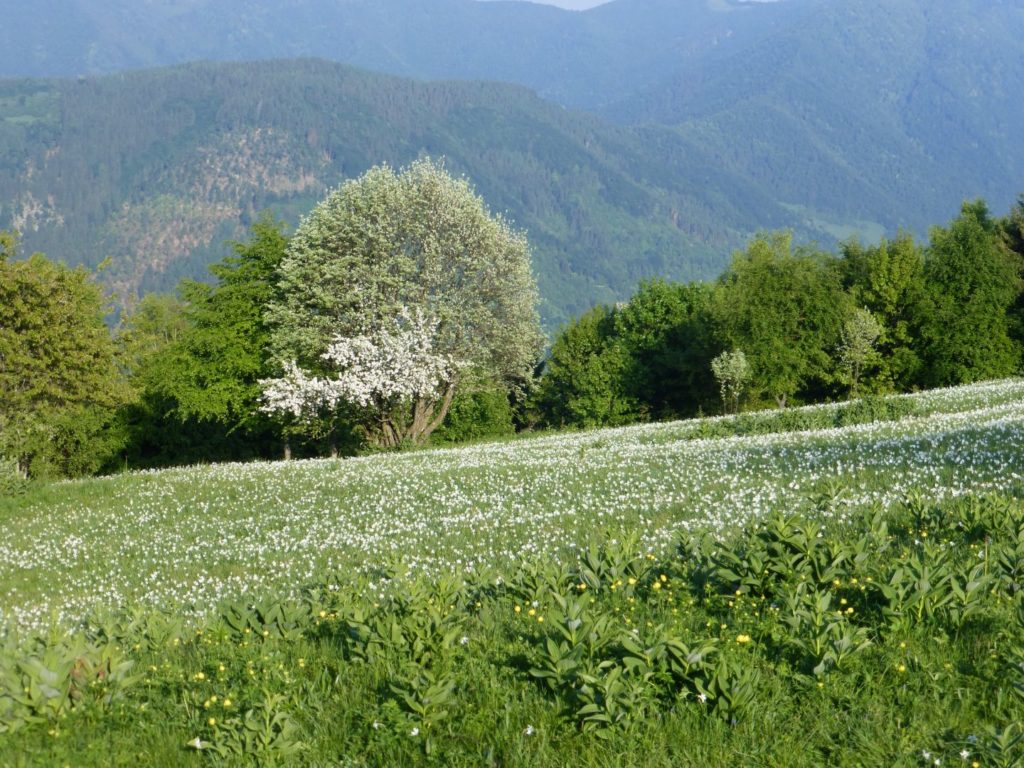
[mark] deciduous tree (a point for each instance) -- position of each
(59, 385)
(859, 335)
(785, 311)
(421, 240)
(585, 381)
(972, 284)
(888, 280)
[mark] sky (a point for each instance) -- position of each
(572, 5)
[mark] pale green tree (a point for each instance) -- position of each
(733, 373)
(416, 240)
(859, 337)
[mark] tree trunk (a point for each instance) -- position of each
(441, 412)
(390, 437)
(420, 419)
(287, 449)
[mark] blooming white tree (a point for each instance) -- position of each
(392, 374)
(390, 281)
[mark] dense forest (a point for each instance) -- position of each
(157, 169)
(179, 379)
(855, 115)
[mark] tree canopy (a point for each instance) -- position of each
(58, 378)
(972, 284)
(785, 311)
(412, 243)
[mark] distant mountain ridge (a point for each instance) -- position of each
(156, 169)
(582, 59)
(868, 109)
(833, 117)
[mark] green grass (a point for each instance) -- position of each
(343, 605)
(344, 676)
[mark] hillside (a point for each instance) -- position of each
(583, 59)
(157, 169)
(225, 530)
(676, 594)
(864, 111)
(834, 117)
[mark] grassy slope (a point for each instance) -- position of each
(196, 535)
(436, 672)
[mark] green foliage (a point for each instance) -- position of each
(888, 281)
(665, 329)
(570, 662)
(785, 311)
(971, 285)
(1012, 232)
(42, 679)
(59, 386)
(197, 361)
(13, 481)
(479, 411)
(585, 381)
(224, 353)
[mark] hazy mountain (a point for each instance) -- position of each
(585, 59)
(854, 112)
(831, 116)
(571, 5)
(158, 168)
(866, 110)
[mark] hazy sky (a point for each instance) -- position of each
(573, 5)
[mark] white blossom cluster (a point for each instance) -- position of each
(377, 368)
(297, 394)
(390, 365)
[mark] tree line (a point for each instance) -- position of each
(402, 312)
(787, 325)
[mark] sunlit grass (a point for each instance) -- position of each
(197, 535)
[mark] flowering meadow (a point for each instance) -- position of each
(834, 585)
(194, 536)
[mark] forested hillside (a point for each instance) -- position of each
(865, 111)
(579, 59)
(833, 117)
(158, 169)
